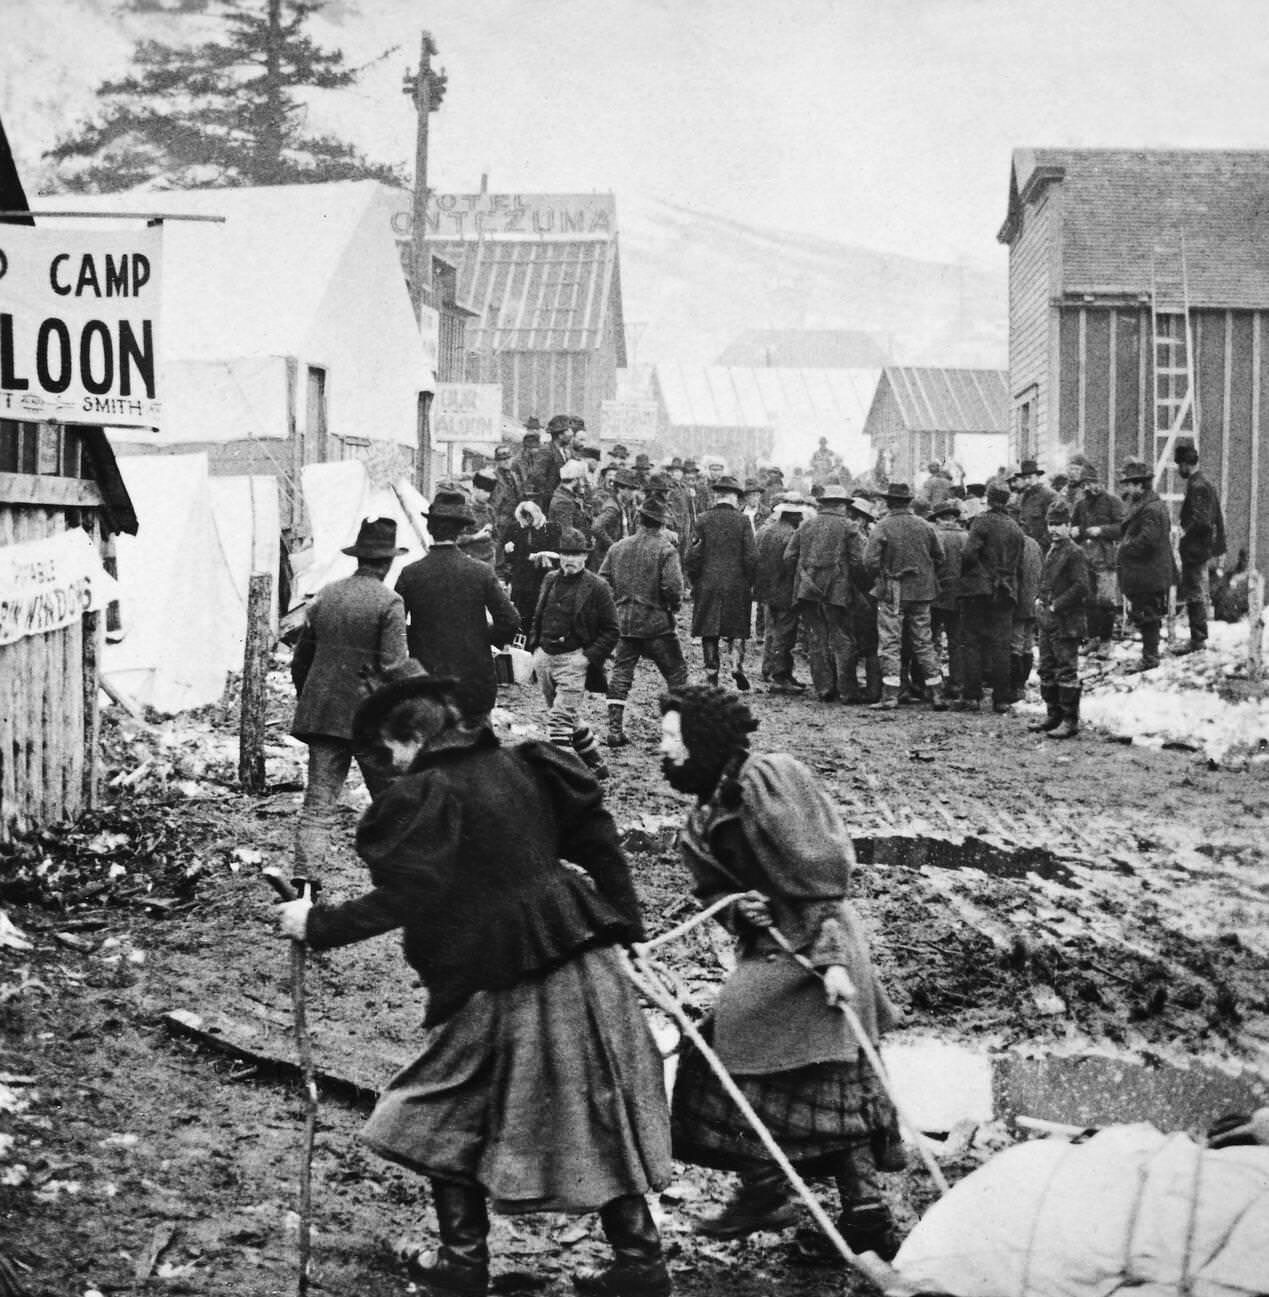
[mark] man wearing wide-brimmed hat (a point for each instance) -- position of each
(1097, 519)
(990, 570)
(647, 586)
(1034, 498)
(353, 633)
(617, 517)
(457, 609)
(905, 560)
(721, 564)
(1145, 558)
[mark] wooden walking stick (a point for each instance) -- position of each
(294, 890)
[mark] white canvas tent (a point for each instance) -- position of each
(337, 497)
(183, 578)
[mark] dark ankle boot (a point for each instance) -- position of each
(763, 1201)
(638, 1266)
(1070, 703)
(1053, 706)
(616, 725)
(461, 1263)
(869, 1227)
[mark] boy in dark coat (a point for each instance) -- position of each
(1145, 558)
(457, 609)
(574, 630)
(721, 565)
(354, 633)
(1066, 589)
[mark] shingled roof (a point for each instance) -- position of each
(1117, 205)
(538, 295)
(948, 400)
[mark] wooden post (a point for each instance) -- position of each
(1255, 620)
(89, 630)
(254, 669)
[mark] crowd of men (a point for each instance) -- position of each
(943, 595)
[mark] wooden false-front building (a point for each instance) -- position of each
(53, 479)
(1093, 236)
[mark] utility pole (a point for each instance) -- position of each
(425, 89)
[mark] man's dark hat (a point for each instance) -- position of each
(948, 508)
(573, 541)
(450, 504)
(727, 483)
(691, 466)
(1059, 511)
(619, 452)
(376, 538)
(752, 484)
(997, 495)
(976, 488)
(1029, 466)
(626, 477)
(642, 460)
(577, 423)
(1136, 470)
(659, 482)
(485, 481)
(533, 424)
(503, 451)
(653, 509)
(676, 462)
(409, 680)
(1185, 451)
(591, 452)
(558, 423)
(898, 493)
(531, 439)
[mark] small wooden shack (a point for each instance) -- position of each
(53, 480)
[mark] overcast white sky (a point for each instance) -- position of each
(887, 123)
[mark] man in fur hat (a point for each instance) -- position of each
(354, 633)
(763, 827)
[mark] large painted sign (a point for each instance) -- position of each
(531, 216)
(469, 412)
(79, 325)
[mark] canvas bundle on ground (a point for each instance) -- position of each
(1131, 1209)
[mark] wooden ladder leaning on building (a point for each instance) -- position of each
(1175, 394)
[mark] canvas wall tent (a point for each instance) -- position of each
(287, 334)
(767, 413)
(183, 579)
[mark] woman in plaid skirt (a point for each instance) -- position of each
(764, 826)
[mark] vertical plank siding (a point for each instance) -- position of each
(43, 737)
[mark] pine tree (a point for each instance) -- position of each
(222, 112)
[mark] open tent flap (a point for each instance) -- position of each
(337, 497)
(182, 588)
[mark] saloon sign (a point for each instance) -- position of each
(467, 412)
(79, 323)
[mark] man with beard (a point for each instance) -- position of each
(765, 828)
(617, 518)
(721, 564)
(567, 506)
(1145, 558)
(574, 630)
(647, 586)
(1202, 539)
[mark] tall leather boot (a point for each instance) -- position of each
(638, 1267)
(1149, 649)
(1198, 626)
(1053, 706)
(1069, 697)
(586, 745)
(709, 652)
(461, 1263)
(616, 724)
(872, 678)
(738, 665)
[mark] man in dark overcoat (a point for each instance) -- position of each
(457, 610)
(1064, 593)
(616, 518)
(721, 564)
(945, 614)
(1145, 558)
(353, 634)
(775, 587)
(904, 557)
(1034, 498)
(1097, 519)
(828, 552)
(990, 569)
(647, 586)
(1202, 539)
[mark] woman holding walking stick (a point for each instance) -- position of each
(538, 1086)
(763, 826)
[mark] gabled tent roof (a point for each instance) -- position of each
(1118, 205)
(543, 295)
(948, 400)
(255, 284)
